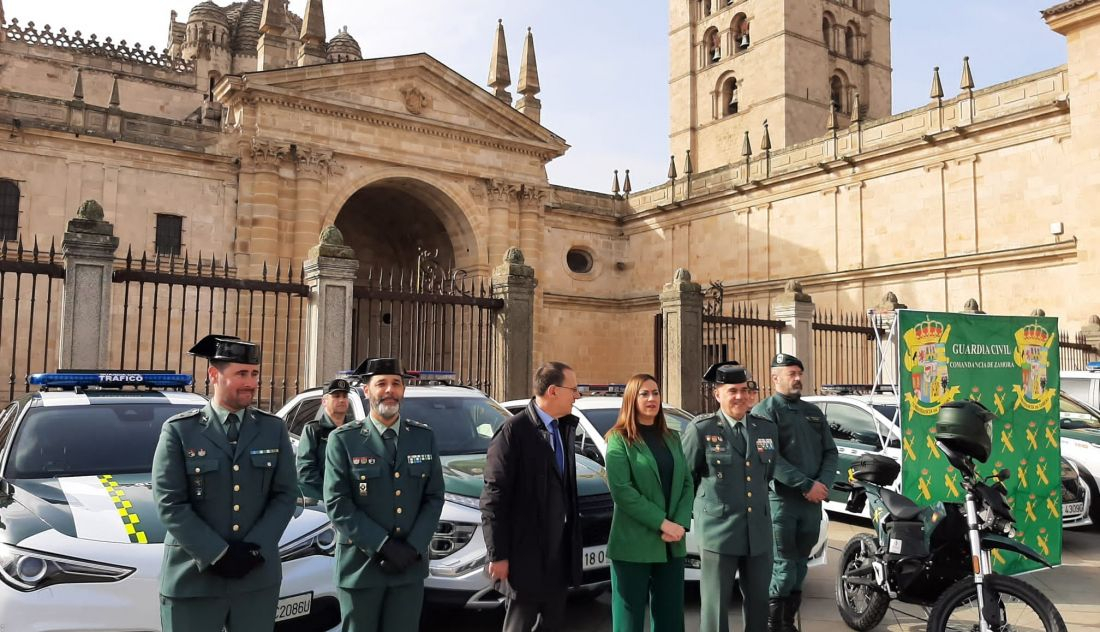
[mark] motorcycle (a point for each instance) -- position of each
(938, 556)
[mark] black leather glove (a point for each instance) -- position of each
(396, 556)
(239, 560)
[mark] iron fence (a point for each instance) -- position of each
(845, 351)
(163, 304)
(430, 318)
(1074, 352)
(31, 290)
(745, 335)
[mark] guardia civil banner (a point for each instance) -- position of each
(1009, 364)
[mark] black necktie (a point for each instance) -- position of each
(232, 431)
(739, 437)
(389, 441)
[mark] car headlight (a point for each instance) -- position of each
(466, 501)
(317, 542)
(1069, 472)
(27, 570)
(449, 537)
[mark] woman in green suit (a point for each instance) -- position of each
(653, 495)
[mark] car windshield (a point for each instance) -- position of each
(1080, 415)
(462, 425)
(87, 440)
(603, 418)
(886, 410)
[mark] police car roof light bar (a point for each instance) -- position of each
(601, 389)
(433, 377)
(1092, 366)
(110, 379)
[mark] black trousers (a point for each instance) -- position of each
(545, 614)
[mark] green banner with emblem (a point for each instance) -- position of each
(1010, 364)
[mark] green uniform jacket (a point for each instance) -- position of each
(639, 499)
(207, 494)
(369, 501)
(311, 455)
(807, 452)
(732, 512)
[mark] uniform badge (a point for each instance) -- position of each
(764, 444)
(202, 451)
(190, 452)
(362, 489)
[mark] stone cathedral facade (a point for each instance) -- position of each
(254, 128)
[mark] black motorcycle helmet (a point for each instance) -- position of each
(966, 427)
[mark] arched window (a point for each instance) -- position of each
(705, 4)
(827, 23)
(837, 93)
(9, 210)
(739, 32)
(713, 44)
(850, 34)
(729, 104)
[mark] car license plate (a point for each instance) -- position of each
(293, 606)
(595, 557)
(1072, 509)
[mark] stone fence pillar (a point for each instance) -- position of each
(514, 334)
(88, 249)
(330, 272)
(795, 308)
(682, 348)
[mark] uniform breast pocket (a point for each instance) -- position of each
(365, 478)
(719, 462)
(420, 470)
(201, 473)
(264, 461)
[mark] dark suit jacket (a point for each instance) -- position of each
(528, 510)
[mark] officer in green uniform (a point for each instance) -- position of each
(804, 473)
(314, 439)
(223, 480)
(731, 455)
(383, 491)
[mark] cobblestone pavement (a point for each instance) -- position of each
(1074, 587)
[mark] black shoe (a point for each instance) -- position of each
(790, 612)
(776, 610)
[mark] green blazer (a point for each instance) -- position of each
(209, 494)
(369, 500)
(732, 510)
(640, 500)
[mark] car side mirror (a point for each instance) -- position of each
(1071, 424)
(593, 453)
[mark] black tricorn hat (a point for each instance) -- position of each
(786, 359)
(339, 385)
(729, 373)
(222, 348)
(381, 366)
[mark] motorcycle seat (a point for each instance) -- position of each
(900, 507)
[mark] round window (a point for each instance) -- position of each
(579, 261)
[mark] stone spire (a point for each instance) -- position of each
(271, 47)
(115, 101)
(500, 77)
(937, 87)
(967, 82)
(766, 142)
(529, 105)
(78, 89)
(2, 22)
(746, 146)
(313, 35)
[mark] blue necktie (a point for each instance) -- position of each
(559, 451)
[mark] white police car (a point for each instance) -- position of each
(599, 410)
(464, 420)
(81, 545)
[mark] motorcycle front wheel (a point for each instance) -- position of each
(1023, 607)
(861, 604)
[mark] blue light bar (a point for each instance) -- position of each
(1092, 366)
(434, 376)
(110, 379)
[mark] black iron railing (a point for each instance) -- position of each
(31, 290)
(845, 351)
(746, 335)
(1074, 352)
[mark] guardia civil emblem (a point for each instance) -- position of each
(926, 362)
(1032, 355)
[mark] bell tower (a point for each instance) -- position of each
(737, 63)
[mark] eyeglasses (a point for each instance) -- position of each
(572, 388)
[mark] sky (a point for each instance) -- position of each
(603, 64)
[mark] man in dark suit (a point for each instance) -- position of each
(223, 479)
(529, 505)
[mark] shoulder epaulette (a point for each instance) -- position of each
(703, 417)
(358, 423)
(184, 414)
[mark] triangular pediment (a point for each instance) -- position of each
(415, 87)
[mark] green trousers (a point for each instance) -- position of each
(638, 586)
(246, 612)
(386, 608)
(795, 524)
(719, 573)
